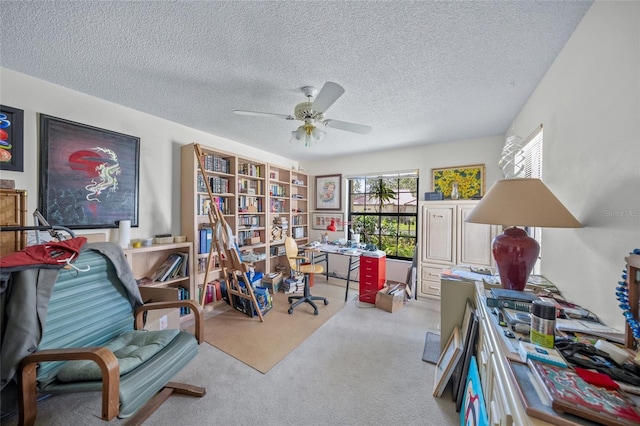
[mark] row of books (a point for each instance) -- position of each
(174, 266)
(248, 220)
(277, 191)
(250, 204)
(202, 263)
(250, 169)
(183, 294)
(219, 185)
(214, 163)
(204, 204)
(248, 186)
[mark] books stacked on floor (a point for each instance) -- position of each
(293, 285)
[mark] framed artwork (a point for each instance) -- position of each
(458, 376)
(465, 362)
(329, 192)
(473, 410)
(88, 176)
(470, 180)
(535, 400)
(11, 139)
(322, 220)
(447, 361)
(569, 393)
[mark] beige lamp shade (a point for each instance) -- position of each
(522, 202)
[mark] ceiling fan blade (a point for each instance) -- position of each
(349, 127)
(329, 93)
(264, 114)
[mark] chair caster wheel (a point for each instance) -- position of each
(290, 299)
(290, 310)
(315, 312)
(326, 302)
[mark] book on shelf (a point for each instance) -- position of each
(166, 268)
(205, 237)
(569, 393)
(530, 351)
(184, 265)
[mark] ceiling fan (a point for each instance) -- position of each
(312, 113)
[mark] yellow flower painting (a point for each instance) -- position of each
(470, 180)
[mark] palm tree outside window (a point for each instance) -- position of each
(383, 209)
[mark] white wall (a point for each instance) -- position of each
(589, 104)
(160, 142)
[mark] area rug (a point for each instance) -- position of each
(262, 345)
(431, 352)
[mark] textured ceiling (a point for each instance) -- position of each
(418, 72)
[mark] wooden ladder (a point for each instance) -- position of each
(233, 269)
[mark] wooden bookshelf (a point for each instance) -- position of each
(144, 261)
(255, 194)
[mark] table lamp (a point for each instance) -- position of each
(519, 202)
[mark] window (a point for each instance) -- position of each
(383, 209)
(529, 160)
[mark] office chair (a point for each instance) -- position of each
(302, 265)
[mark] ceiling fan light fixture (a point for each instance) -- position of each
(312, 112)
(318, 134)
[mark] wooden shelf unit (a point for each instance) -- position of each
(13, 212)
(248, 204)
(145, 260)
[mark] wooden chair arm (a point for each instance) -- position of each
(299, 257)
(27, 384)
(198, 314)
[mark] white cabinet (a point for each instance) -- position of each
(445, 240)
(500, 389)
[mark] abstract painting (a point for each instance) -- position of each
(88, 176)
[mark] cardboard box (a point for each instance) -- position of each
(272, 282)
(160, 319)
(390, 302)
(252, 240)
(405, 288)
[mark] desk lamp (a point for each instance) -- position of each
(519, 202)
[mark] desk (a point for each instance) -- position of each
(320, 253)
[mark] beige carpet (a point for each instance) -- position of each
(262, 345)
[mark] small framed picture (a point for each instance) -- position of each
(11, 138)
(320, 221)
(329, 192)
(448, 360)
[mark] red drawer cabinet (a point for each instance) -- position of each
(373, 274)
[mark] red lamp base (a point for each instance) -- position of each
(515, 253)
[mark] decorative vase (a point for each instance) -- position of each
(454, 191)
